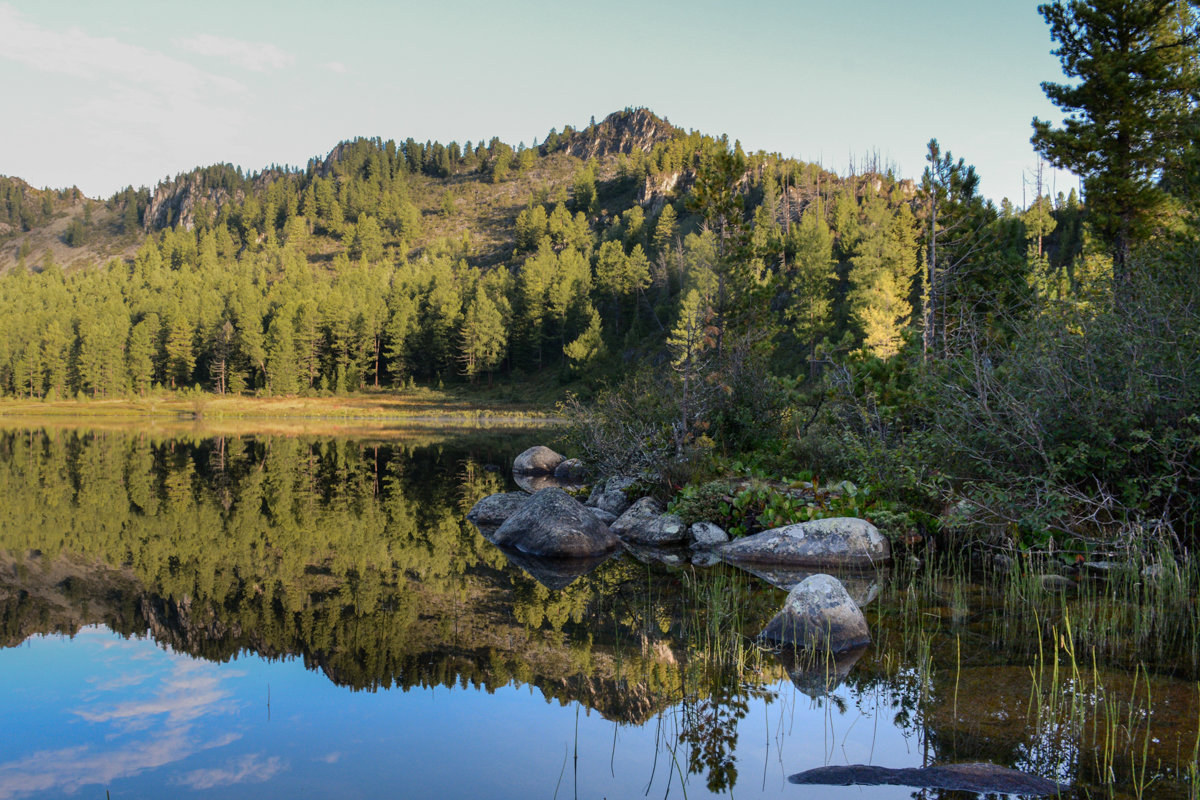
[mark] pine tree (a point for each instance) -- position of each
(811, 278)
(882, 270)
(282, 373)
(588, 349)
(483, 336)
(1130, 108)
(181, 356)
(139, 358)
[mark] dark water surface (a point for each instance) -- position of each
(281, 617)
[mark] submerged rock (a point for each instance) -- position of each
(819, 613)
(645, 523)
(954, 777)
(555, 525)
(1057, 583)
(493, 510)
(537, 460)
(834, 542)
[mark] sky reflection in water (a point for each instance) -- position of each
(97, 712)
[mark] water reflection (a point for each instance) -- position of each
(268, 569)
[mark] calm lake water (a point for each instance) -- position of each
(282, 617)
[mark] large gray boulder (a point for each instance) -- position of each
(555, 525)
(645, 523)
(495, 509)
(609, 495)
(834, 542)
(537, 460)
(819, 613)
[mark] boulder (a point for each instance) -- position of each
(537, 460)
(707, 534)
(610, 495)
(645, 523)
(834, 542)
(1057, 583)
(571, 470)
(494, 509)
(819, 613)
(555, 525)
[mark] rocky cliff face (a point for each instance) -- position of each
(629, 131)
(178, 202)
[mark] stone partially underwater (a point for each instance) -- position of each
(983, 778)
(819, 614)
(552, 524)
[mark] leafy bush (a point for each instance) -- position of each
(1084, 425)
(750, 506)
(647, 426)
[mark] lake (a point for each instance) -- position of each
(188, 614)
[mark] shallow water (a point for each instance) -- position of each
(305, 617)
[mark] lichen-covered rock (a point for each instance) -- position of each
(610, 495)
(555, 525)
(708, 534)
(570, 469)
(645, 523)
(537, 460)
(819, 613)
(834, 542)
(494, 509)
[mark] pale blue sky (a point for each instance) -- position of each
(103, 94)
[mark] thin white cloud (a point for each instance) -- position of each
(251, 768)
(336, 67)
(254, 56)
(127, 104)
(181, 699)
(68, 770)
(76, 53)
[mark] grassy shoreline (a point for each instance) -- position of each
(364, 412)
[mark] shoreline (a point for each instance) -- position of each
(367, 413)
